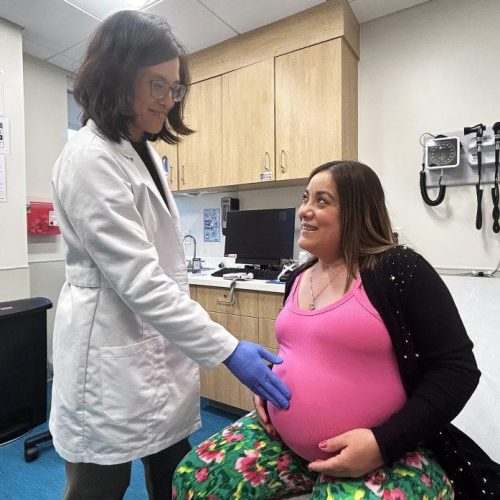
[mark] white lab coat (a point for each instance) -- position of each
(127, 337)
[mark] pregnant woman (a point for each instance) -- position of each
(378, 363)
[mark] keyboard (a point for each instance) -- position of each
(258, 274)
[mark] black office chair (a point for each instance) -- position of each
(23, 371)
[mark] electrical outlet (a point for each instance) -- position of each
(397, 232)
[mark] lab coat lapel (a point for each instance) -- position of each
(171, 209)
(127, 150)
(163, 179)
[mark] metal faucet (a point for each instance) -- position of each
(190, 264)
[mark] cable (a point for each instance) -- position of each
(478, 130)
(497, 268)
(423, 180)
(495, 192)
(425, 133)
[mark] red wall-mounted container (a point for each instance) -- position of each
(41, 218)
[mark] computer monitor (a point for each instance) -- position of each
(263, 237)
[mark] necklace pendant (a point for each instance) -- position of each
(311, 306)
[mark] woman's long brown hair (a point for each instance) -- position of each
(121, 46)
(365, 227)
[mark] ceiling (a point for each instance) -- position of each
(56, 30)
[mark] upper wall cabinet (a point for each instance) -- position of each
(168, 155)
(271, 104)
(200, 154)
(316, 108)
(248, 124)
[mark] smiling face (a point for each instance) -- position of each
(320, 218)
(151, 113)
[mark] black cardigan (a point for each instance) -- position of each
(437, 368)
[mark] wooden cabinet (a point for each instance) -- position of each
(219, 384)
(287, 102)
(249, 316)
(273, 120)
(248, 124)
(170, 152)
(270, 305)
(316, 108)
(245, 303)
(200, 154)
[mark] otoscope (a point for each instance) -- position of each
(478, 130)
(495, 194)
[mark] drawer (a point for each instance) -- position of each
(266, 333)
(220, 385)
(270, 305)
(212, 299)
(242, 327)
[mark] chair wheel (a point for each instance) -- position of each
(31, 454)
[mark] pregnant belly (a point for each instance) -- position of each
(326, 403)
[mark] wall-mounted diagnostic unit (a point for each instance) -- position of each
(442, 152)
(470, 156)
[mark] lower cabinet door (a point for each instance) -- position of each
(219, 384)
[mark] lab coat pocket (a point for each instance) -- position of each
(128, 380)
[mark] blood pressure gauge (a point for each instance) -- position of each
(442, 152)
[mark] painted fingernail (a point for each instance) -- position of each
(323, 444)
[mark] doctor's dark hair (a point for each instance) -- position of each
(365, 227)
(121, 46)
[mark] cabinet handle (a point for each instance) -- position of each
(170, 176)
(282, 165)
(226, 302)
(230, 300)
(267, 161)
(182, 175)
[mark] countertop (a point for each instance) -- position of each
(206, 279)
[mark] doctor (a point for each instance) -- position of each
(127, 338)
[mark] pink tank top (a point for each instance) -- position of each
(340, 366)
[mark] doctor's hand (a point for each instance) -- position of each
(246, 363)
(264, 420)
(356, 453)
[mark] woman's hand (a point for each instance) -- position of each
(356, 454)
(265, 421)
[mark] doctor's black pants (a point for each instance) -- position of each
(109, 482)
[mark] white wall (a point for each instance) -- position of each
(191, 210)
(432, 68)
(46, 133)
(14, 275)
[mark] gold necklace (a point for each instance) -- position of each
(312, 304)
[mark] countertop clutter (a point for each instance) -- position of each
(204, 278)
(211, 264)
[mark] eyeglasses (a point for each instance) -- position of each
(160, 88)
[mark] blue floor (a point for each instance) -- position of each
(43, 479)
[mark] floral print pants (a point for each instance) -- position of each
(243, 462)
